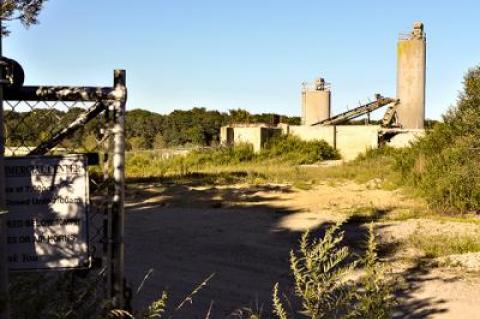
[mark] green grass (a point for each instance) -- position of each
(445, 244)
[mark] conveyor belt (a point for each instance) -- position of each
(389, 115)
(358, 111)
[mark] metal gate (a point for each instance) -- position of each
(54, 120)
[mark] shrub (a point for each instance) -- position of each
(320, 270)
(221, 156)
(373, 298)
(296, 151)
(443, 166)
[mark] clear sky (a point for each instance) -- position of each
(252, 54)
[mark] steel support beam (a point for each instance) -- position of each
(62, 93)
(117, 221)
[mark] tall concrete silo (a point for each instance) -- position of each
(411, 67)
(315, 102)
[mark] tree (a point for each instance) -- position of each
(26, 11)
(159, 141)
(136, 143)
(239, 116)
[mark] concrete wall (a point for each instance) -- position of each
(404, 139)
(256, 135)
(250, 135)
(317, 132)
(411, 64)
(352, 140)
(223, 135)
(349, 140)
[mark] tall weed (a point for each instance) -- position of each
(320, 270)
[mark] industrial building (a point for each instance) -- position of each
(403, 120)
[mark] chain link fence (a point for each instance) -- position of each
(46, 120)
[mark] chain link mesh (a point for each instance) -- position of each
(27, 124)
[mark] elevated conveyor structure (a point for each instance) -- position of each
(390, 115)
(358, 111)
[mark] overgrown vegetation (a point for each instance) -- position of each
(282, 151)
(444, 165)
(320, 270)
(293, 150)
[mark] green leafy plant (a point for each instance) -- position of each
(292, 149)
(319, 272)
(157, 308)
(320, 269)
(373, 297)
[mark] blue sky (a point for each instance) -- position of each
(252, 54)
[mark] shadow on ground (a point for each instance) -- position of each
(188, 230)
(410, 305)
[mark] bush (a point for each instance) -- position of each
(296, 151)
(282, 148)
(320, 272)
(221, 156)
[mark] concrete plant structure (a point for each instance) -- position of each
(254, 134)
(402, 123)
(316, 101)
(411, 70)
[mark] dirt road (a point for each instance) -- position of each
(180, 234)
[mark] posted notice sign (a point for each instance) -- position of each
(47, 201)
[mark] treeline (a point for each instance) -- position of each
(198, 126)
(144, 129)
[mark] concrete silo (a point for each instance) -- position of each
(316, 102)
(411, 66)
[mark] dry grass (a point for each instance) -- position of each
(439, 245)
(148, 165)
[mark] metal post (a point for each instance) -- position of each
(4, 307)
(117, 285)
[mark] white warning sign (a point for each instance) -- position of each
(47, 200)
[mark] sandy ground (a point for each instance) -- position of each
(180, 234)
